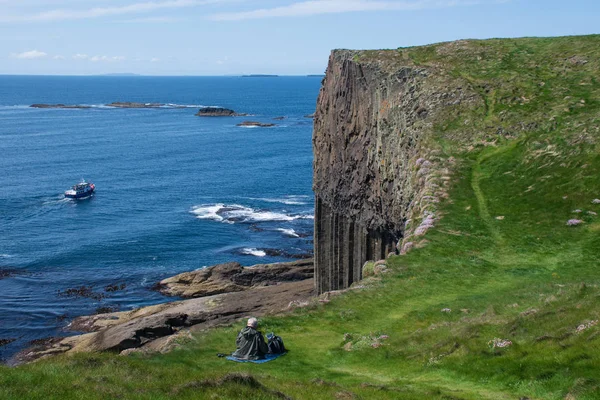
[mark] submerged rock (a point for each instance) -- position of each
(4, 342)
(255, 123)
(7, 273)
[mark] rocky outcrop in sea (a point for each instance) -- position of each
(218, 112)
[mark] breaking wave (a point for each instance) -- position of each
(288, 232)
(253, 252)
(236, 213)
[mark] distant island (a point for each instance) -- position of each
(316, 75)
(121, 74)
(260, 76)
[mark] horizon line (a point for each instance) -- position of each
(133, 75)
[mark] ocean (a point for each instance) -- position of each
(174, 192)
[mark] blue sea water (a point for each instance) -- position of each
(175, 192)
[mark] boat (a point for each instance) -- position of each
(81, 190)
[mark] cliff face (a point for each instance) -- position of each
(373, 168)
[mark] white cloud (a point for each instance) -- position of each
(154, 59)
(135, 8)
(58, 57)
(28, 55)
(106, 58)
(315, 7)
(150, 20)
(80, 57)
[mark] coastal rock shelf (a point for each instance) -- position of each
(232, 277)
(374, 114)
(222, 293)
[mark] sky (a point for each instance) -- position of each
(232, 37)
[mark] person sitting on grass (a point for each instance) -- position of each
(250, 343)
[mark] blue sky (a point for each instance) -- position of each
(221, 37)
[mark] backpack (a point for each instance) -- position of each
(275, 344)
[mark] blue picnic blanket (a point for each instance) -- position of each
(268, 357)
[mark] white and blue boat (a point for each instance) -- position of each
(81, 190)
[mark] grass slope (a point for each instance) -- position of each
(502, 260)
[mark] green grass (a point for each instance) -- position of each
(526, 277)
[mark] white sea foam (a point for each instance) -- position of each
(283, 201)
(6, 256)
(208, 212)
(289, 200)
(175, 105)
(14, 107)
(288, 232)
(237, 213)
(253, 252)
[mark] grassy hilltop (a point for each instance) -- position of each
(502, 303)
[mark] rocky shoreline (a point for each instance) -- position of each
(216, 295)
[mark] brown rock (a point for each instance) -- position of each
(232, 277)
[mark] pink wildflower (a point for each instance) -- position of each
(407, 247)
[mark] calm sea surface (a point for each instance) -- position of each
(175, 192)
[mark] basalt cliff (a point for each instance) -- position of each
(376, 177)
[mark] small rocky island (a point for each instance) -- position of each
(255, 123)
(218, 112)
